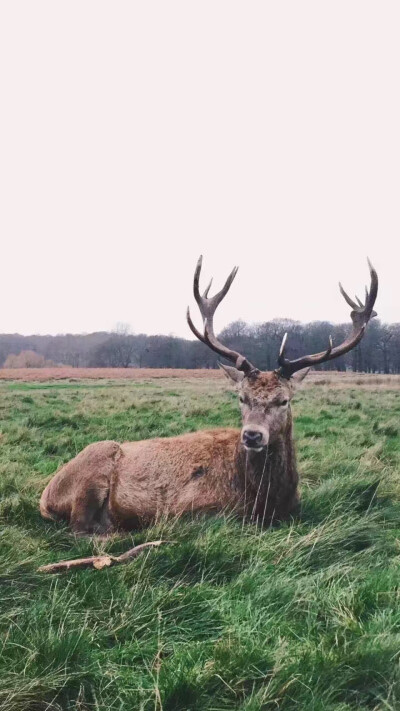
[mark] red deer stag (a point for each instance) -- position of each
(111, 486)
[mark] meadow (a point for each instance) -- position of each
(304, 616)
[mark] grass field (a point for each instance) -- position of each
(305, 616)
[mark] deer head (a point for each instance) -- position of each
(265, 396)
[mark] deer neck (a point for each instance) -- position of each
(263, 478)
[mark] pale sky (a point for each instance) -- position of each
(136, 135)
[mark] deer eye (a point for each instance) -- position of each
(241, 398)
(283, 402)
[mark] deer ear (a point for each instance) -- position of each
(298, 377)
(232, 373)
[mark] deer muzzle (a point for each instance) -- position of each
(254, 437)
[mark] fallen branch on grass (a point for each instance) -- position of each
(98, 561)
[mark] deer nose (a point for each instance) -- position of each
(252, 438)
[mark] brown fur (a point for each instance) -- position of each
(110, 486)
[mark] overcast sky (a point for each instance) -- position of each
(136, 135)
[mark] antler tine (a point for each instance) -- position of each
(283, 346)
(217, 298)
(360, 315)
(373, 292)
(347, 298)
(207, 308)
(196, 280)
(205, 294)
(193, 327)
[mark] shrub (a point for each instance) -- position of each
(27, 359)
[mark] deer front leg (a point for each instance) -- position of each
(90, 513)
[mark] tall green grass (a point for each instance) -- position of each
(305, 616)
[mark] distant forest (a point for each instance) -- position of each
(379, 351)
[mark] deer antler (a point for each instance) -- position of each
(360, 315)
(207, 308)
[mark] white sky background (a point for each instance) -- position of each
(136, 135)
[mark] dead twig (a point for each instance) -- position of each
(98, 561)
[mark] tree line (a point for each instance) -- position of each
(379, 351)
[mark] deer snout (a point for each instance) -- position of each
(254, 438)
